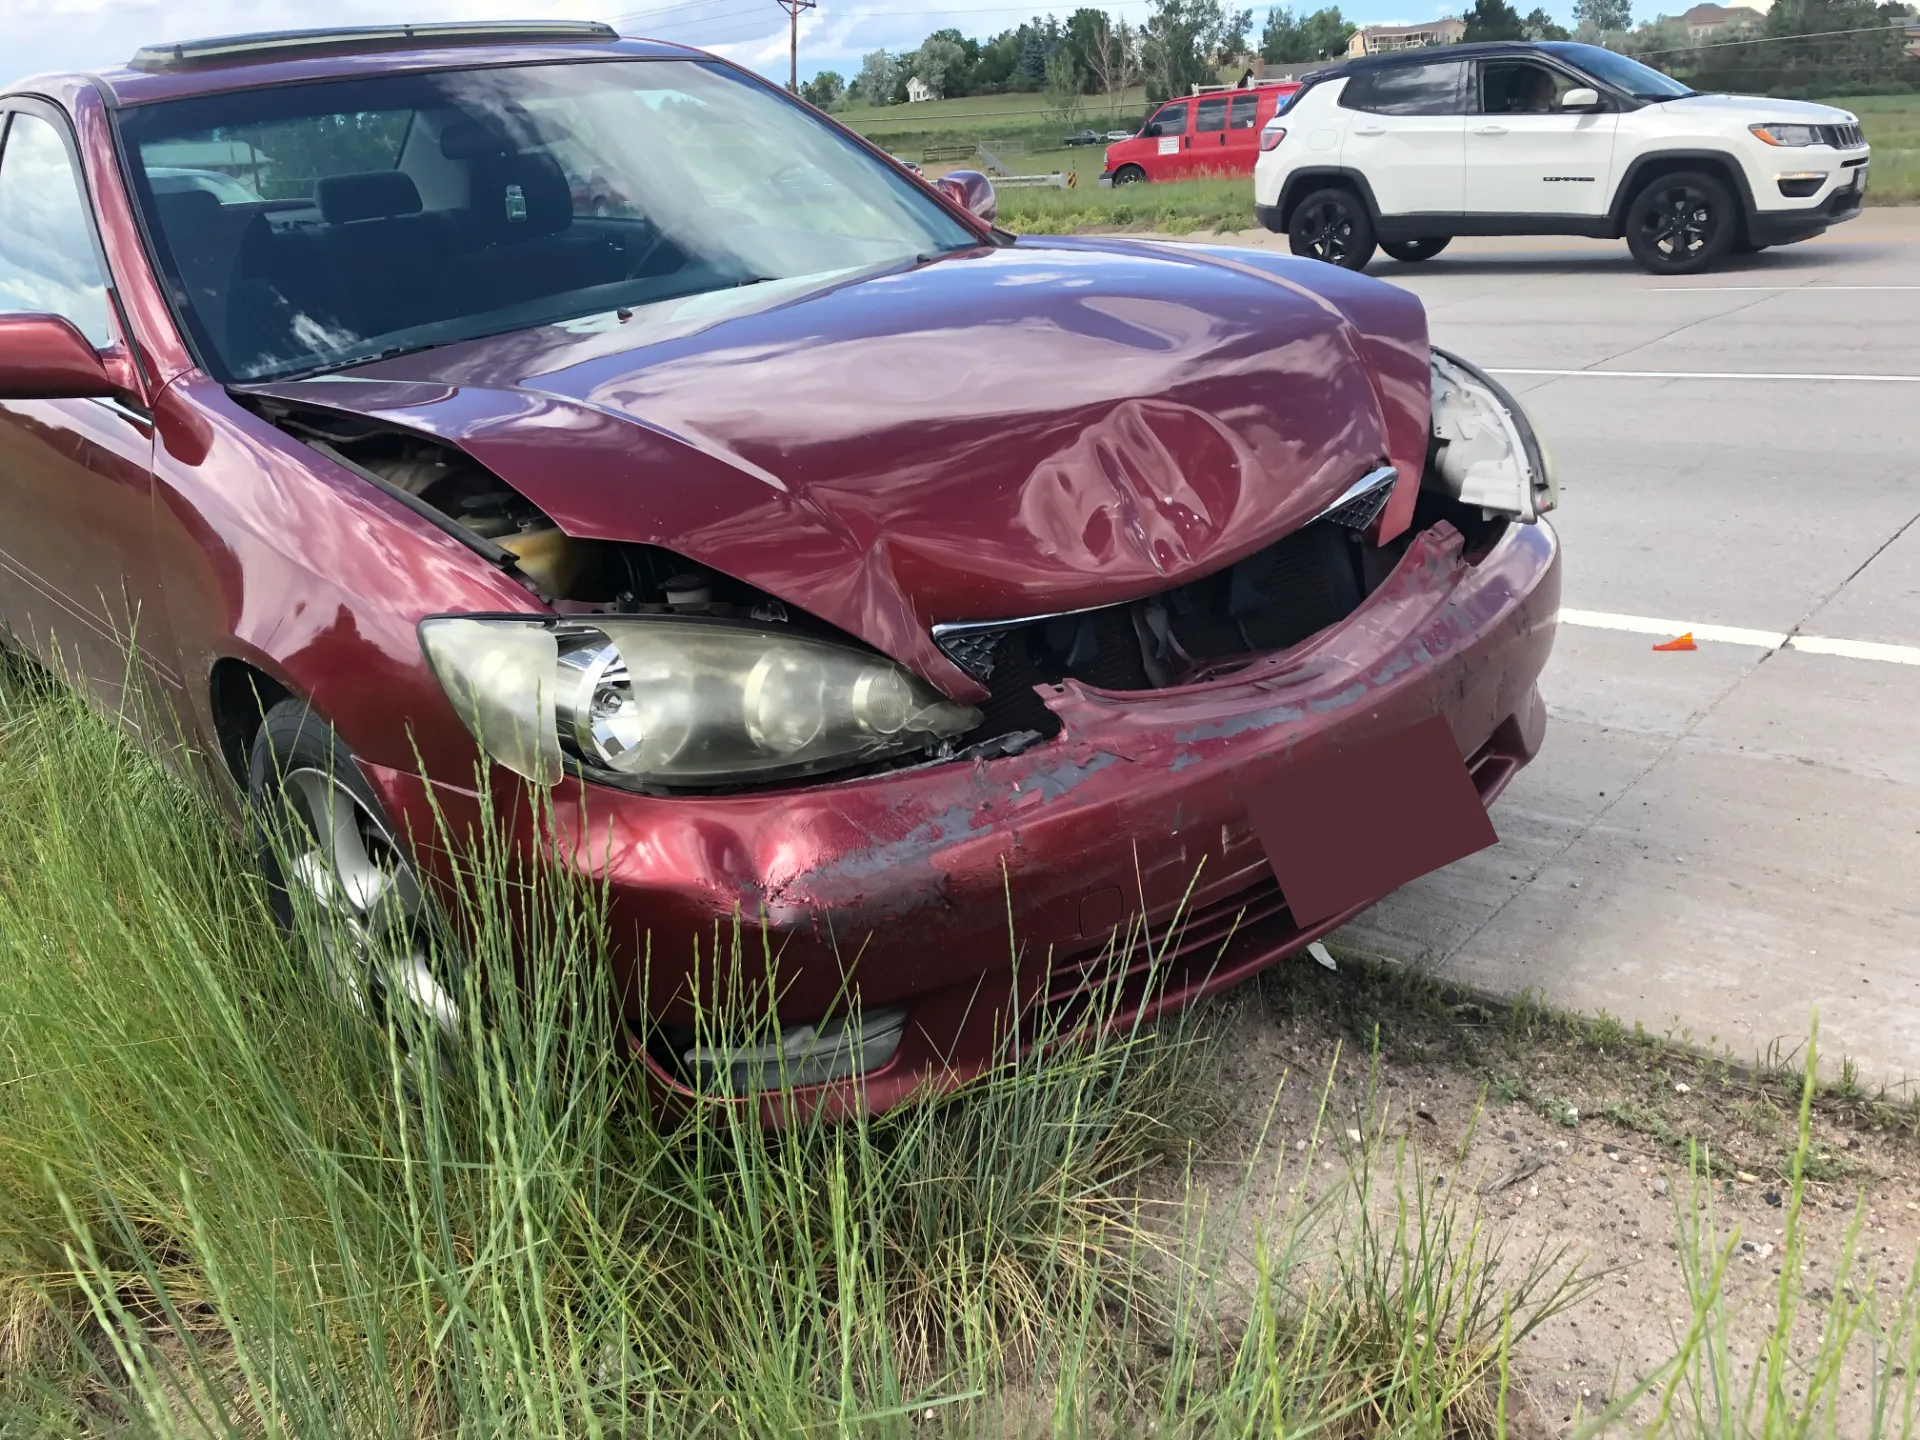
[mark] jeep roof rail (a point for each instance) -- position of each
(274, 44)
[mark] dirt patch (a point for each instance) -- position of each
(1575, 1133)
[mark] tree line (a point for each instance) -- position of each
(1095, 59)
(1090, 56)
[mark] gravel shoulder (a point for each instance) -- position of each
(1573, 1133)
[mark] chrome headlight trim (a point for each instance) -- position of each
(662, 703)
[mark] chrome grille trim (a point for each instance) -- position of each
(1360, 504)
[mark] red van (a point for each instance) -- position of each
(1213, 133)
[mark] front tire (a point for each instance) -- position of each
(1129, 175)
(1332, 225)
(340, 881)
(1680, 224)
(1412, 252)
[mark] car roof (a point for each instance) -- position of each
(1429, 54)
(1425, 54)
(180, 69)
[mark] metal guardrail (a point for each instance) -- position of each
(1057, 180)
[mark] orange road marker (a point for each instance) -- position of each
(1685, 642)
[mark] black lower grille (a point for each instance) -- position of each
(1275, 598)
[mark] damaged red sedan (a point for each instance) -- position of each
(836, 561)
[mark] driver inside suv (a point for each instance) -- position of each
(1519, 89)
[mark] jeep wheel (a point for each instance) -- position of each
(1412, 252)
(1681, 223)
(1332, 225)
(1129, 175)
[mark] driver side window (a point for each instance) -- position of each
(48, 264)
(1171, 120)
(1520, 87)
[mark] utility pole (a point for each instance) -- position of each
(793, 9)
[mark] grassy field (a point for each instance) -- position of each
(229, 1209)
(1892, 123)
(1028, 144)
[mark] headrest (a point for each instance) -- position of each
(187, 209)
(519, 197)
(376, 195)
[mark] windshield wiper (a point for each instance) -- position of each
(328, 367)
(395, 351)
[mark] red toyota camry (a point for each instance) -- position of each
(835, 560)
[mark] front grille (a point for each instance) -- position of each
(1843, 137)
(1273, 599)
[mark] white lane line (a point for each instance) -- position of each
(1738, 635)
(1701, 375)
(1775, 289)
(1858, 649)
(1667, 629)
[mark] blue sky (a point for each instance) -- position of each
(78, 34)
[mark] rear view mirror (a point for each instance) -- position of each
(42, 357)
(972, 192)
(1583, 97)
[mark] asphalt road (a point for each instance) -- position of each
(1723, 842)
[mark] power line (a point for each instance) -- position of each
(707, 20)
(660, 10)
(1895, 30)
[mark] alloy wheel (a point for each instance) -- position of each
(1327, 229)
(1679, 225)
(370, 918)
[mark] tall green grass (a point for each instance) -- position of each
(228, 1208)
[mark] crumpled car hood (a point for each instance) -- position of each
(1011, 431)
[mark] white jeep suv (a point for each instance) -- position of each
(1407, 150)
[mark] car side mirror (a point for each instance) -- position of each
(972, 192)
(1581, 97)
(42, 357)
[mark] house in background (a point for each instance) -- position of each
(918, 90)
(1379, 39)
(1707, 21)
(236, 158)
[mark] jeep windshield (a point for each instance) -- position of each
(373, 216)
(1630, 77)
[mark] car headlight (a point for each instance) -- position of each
(1485, 451)
(665, 702)
(1788, 135)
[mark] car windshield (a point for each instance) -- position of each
(1643, 82)
(304, 228)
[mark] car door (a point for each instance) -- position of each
(77, 578)
(1242, 140)
(1407, 136)
(1207, 154)
(1168, 130)
(1529, 155)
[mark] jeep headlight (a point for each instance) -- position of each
(678, 702)
(1484, 449)
(1790, 136)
